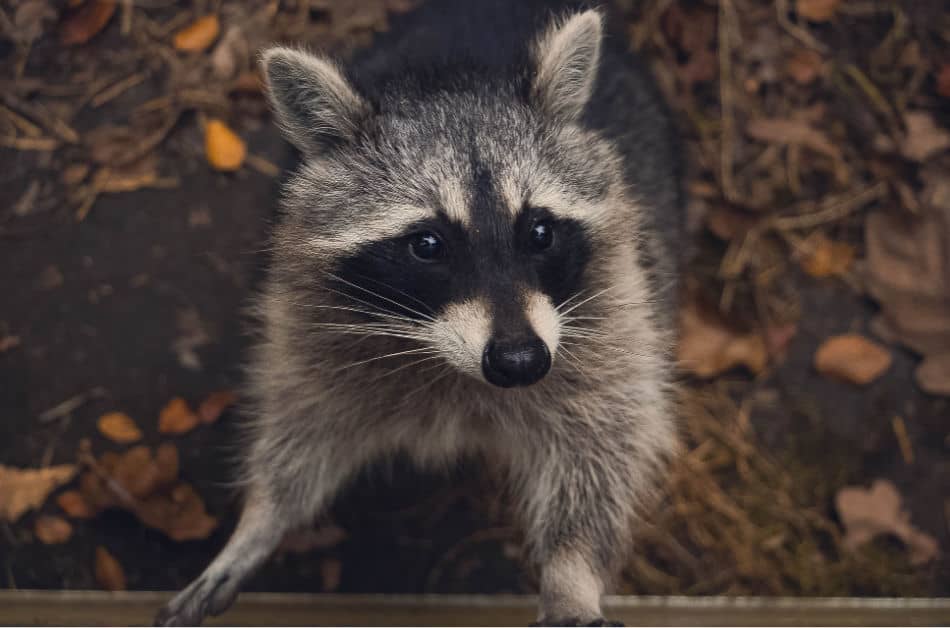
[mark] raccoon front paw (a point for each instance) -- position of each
(575, 621)
(208, 595)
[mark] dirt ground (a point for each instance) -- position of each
(126, 259)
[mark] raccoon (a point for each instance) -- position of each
(477, 256)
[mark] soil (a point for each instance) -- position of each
(146, 268)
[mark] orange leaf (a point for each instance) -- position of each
(852, 358)
(75, 505)
(217, 402)
(119, 427)
(708, 346)
(25, 489)
(943, 80)
(52, 530)
(109, 572)
(224, 149)
(817, 10)
(805, 66)
(166, 459)
(825, 257)
(87, 22)
(198, 35)
(137, 472)
(177, 418)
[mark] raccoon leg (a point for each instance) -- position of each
(282, 496)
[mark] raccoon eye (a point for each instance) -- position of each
(542, 235)
(425, 246)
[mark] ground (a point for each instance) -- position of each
(126, 260)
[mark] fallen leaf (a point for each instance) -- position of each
(180, 514)
(817, 10)
(109, 572)
(248, 83)
(825, 257)
(166, 460)
(74, 174)
(177, 418)
(804, 66)
(87, 22)
(708, 346)
(224, 149)
(137, 472)
(309, 539)
(867, 513)
(933, 374)
(727, 224)
(788, 131)
(119, 428)
(52, 530)
(215, 404)
(75, 505)
(331, 569)
(852, 358)
(231, 55)
(198, 35)
(923, 138)
(25, 489)
(9, 342)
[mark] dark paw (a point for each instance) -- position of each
(203, 597)
(574, 621)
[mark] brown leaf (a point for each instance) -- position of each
(25, 489)
(137, 472)
(52, 530)
(825, 257)
(87, 22)
(331, 570)
(224, 149)
(198, 35)
(805, 65)
(9, 342)
(215, 404)
(708, 346)
(119, 427)
(852, 358)
(943, 80)
(933, 374)
(75, 505)
(166, 460)
(180, 514)
(817, 10)
(177, 418)
(924, 138)
(727, 224)
(788, 131)
(309, 539)
(867, 513)
(109, 572)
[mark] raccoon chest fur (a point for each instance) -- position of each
(477, 255)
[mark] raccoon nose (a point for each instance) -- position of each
(518, 363)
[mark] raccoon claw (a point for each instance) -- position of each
(574, 621)
(206, 596)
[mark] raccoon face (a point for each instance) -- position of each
(461, 220)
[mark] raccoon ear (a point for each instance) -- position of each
(314, 102)
(566, 58)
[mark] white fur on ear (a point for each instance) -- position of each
(312, 99)
(566, 58)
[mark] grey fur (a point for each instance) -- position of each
(583, 449)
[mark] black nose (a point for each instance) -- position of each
(520, 363)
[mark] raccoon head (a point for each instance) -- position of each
(461, 216)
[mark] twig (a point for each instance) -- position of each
(726, 95)
(796, 31)
(834, 209)
(72, 404)
(116, 89)
(38, 114)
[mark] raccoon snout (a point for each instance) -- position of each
(523, 362)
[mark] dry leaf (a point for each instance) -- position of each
(933, 374)
(119, 427)
(109, 572)
(331, 570)
(943, 80)
(52, 530)
(867, 513)
(75, 505)
(817, 10)
(708, 346)
(788, 131)
(166, 460)
(852, 358)
(924, 138)
(805, 66)
(180, 514)
(825, 257)
(309, 539)
(197, 36)
(215, 404)
(224, 149)
(9, 342)
(231, 55)
(177, 418)
(25, 489)
(87, 22)
(137, 472)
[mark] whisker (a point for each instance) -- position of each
(384, 298)
(388, 355)
(587, 300)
